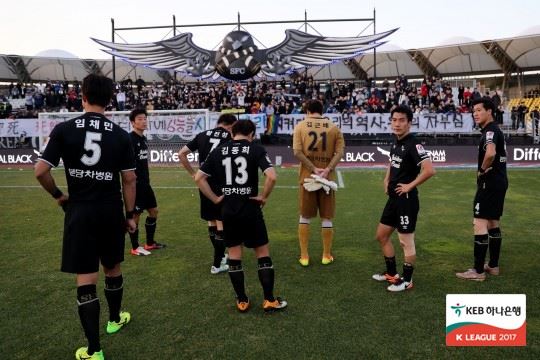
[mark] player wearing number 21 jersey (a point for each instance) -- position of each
(318, 143)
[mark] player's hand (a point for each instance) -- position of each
(324, 173)
(259, 200)
(485, 172)
(403, 188)
(62, 201)
(318, 171)
(219, 199)
(131, 226)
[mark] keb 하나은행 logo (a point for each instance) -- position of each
(486, 320)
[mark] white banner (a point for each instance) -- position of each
(258, 119)
(380, 123)
(185, 125)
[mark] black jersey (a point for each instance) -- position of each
(207, 141)
(235, 167)
(491, 134)
(405, 158)
(140, 148)
(94, 151)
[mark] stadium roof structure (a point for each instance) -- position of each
(509, 55)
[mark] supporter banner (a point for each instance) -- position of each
(258, 119)
(185, 125)
(380, 123)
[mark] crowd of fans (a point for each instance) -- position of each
(279, 96)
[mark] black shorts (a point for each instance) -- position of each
(93, 232)
(209, 210)
(248, 230)
(401, 213)
(145, 198)
(489, 203)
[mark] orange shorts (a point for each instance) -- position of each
(311, 202)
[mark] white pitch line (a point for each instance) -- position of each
(154, 187)
(340, 179)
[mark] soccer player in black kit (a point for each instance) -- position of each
(145, 199)
(204, 143)
(96, 155)
(409, 167)
(492, 183)
(235, 168)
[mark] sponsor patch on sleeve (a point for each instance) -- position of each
(489, 136)
(420, 149)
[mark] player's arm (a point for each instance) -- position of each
(42, 171)
(426, 171)
(129, 181)
(201, 179)
(182, 155)
(270, 178)
(298, 152)
(386, 180)
(338, 154)
(488, 159)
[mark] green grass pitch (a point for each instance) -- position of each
(180, 311)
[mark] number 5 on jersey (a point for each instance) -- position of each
(91, 143)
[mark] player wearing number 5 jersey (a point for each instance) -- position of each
(234, 167)
(409, 167)
(96, 154)
(318, 143)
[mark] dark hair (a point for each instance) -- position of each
(314, 106)
(243, 127)
(133, 114)
(403, 109)
(97, 89)
(227, 119)
(486, 102)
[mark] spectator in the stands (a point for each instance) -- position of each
(521, 111)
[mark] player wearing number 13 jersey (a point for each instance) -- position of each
(235, 168)
(96, 154)
(318, 143)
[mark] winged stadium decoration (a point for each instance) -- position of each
(238, 58)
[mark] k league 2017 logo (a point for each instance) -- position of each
(486, 320)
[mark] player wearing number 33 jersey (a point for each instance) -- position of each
(409, 167)
(318, 143)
